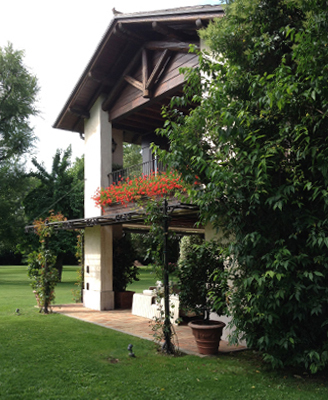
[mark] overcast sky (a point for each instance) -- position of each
(59, 38)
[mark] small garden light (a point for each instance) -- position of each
(131, 354)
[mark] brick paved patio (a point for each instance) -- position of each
(124, 321)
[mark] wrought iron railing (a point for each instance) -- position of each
(135, 171)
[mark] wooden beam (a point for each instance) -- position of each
(122, 31)
(158, 69)
(169, 32)
(145, 118)
(107, 102)
(181, 47)
(179, 18)
(145, 73)
(134, 82)
(79, 112)
(141, 102)
(100, 77)
(199, 23)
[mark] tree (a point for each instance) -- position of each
(257, 142)
(61, 190)
(14, 184)
(131, 155)
(18, 95)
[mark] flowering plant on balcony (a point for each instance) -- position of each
(131, 190)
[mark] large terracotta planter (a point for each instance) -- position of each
(207, 336)
(123, 300)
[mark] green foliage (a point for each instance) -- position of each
(42, 264)
(203, 280)
(131, 155)
(144, 245)
(153, 242)
(124, 269)
(61, 190)
(186, 247)
(44, 277)
(18, 95)
(159, 220)
(78, 290)
(14, 185)
(257, 143)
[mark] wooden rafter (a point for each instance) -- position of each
(121, 30)
(80, 112)
(181, 47)
(158, 69)
(100, 77)
(148, 81)
(169, 32)
(134, 82)
(145, 73)
(107, 102)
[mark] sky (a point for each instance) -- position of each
(59, 38)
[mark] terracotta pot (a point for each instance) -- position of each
(123, 300)
(207, 336)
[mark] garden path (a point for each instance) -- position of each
(124, 321)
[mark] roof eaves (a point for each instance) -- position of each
(106, 36)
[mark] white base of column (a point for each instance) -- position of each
(97, 300)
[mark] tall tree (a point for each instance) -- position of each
(14, 185)
(18, 96)
(60, 190)
(257, 143)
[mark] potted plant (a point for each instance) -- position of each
(124, 271)
(203, 289)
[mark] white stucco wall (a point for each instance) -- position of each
(117, 156)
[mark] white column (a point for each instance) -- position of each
(98, 156)
(98, 291)
(98, 288)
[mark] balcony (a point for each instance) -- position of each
(135, 171)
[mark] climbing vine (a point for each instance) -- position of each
(78, 290)
(41, 263)
(158, 220)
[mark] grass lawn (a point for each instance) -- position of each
(56, 357)
(147, 278)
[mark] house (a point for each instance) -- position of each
(132, 74)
